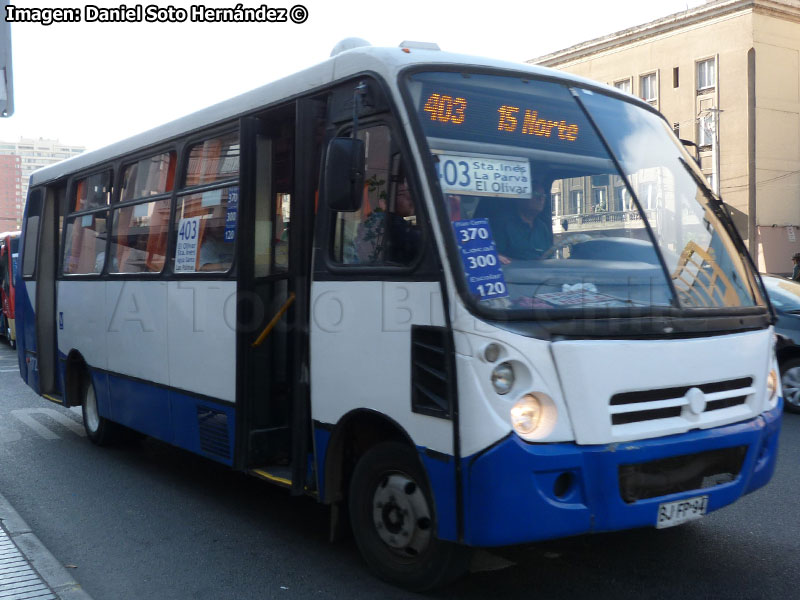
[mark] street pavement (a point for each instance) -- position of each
(145, 520)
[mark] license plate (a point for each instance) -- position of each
(681, 511)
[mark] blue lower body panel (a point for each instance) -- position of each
(518, 492)
(178, 418)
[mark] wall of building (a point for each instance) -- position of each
(10, 186)
(777, 48)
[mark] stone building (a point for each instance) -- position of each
(726, 75)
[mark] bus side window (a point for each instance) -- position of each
(384, 231)
(32, 233)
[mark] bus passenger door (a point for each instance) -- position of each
(44, 302)
(277, 175)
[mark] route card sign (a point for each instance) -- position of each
(186, 249)
(479, 255)
(479, 175)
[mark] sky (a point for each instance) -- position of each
(92, 84)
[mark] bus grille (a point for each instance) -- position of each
(431, 371)
(665, 403)
(213, 427)
(680, 473)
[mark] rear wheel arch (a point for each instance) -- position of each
(77, 376)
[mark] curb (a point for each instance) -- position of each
(50, 570)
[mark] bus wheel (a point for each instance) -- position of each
(394, 524)
(99, 430)
(790, 382)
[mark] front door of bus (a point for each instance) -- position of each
(278, 171)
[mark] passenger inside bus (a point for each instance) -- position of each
(216, 254)
(521, 227)
(389, 236)
(519, 231)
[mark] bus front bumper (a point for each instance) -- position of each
(516, 492)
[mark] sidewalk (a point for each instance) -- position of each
(27, 569)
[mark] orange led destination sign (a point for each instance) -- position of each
(533, 125)
(444, 108)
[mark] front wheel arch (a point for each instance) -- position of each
(394, 520)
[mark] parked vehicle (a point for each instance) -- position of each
(785, 297)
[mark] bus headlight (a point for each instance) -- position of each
(526, 414)
(772, 385)
(534, 416)
(503, 378)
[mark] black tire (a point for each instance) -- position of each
(391, 512)
(99, 430)
(790, 382)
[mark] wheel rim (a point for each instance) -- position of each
(401, 515)
(790, 382)
(90, 413)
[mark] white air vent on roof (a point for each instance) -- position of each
(348, 44)
(420, 45)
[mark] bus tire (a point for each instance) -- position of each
(99, 430)
(393, 521)
(790, 383)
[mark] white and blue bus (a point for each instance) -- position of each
(470, 303)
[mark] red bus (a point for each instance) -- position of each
(9, 251)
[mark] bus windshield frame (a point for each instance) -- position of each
(645, 238)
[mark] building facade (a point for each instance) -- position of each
(10, 190)
(32, 154)
(726, 75)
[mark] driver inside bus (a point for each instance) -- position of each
(522, 230)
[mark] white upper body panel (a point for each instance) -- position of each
(385, 62)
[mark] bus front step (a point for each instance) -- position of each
(278, 474)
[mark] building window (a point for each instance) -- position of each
(599, 203)
(706, 74)
(576, 202)
(647, 87)
(623, 85)
(647, 192)
(705, 129)
(676, 129)
(555, 202)
(676, 81)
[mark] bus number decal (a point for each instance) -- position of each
(186, 248)
(479, 255)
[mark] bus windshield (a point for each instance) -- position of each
(547, 213)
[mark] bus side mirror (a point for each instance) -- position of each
(344, 174)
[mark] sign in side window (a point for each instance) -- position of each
(139, 238)
(148, 177)
(93, 192)
(205, 230)
(213, 160)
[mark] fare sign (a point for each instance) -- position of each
(479, 256)
(480, 175)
